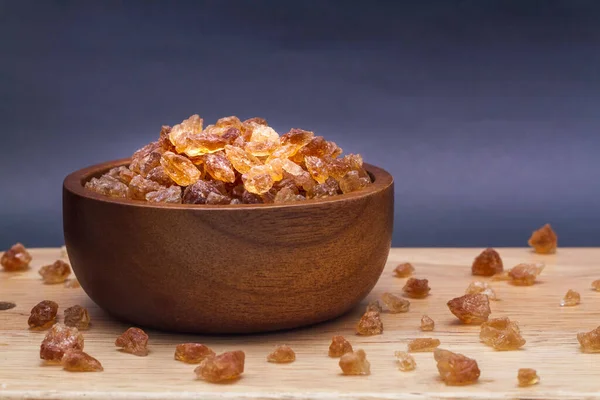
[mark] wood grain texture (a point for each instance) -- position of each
(228, 269)
(550, 331)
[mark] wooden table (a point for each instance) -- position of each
(550, 331)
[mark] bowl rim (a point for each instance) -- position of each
(74, 182)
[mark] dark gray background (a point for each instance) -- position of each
(486, 112)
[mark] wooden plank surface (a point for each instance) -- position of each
(550, 331)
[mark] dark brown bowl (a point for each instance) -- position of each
(227, 269)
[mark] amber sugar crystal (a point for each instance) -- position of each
(416, 288)
(282, 354)
(370, 324)
(470, 308)
(16, 258)
(339, 346)
(525, 274)
(395, 304)
(58, 340)
(502, 276)
(405, 361)
(481, 287)
(180, 168)
(57, 272)
(78, 317)
(572, 298)
(527, 377)
(222, 368)
(199, 192)
(422, 345)
(171, 194)
(43, 315)
(248, 154)
(192, 353)
(374, 305)
(501, 334)
(544, 240)
(487, 263)
(596, 285)
(134, 341)
(355, 363)
(140, 187)
(456, 369)
(427, 324)
(79, 361)
(590, 341)
(404, 270)
(108, 186)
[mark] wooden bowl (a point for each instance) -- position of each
(227, 269)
